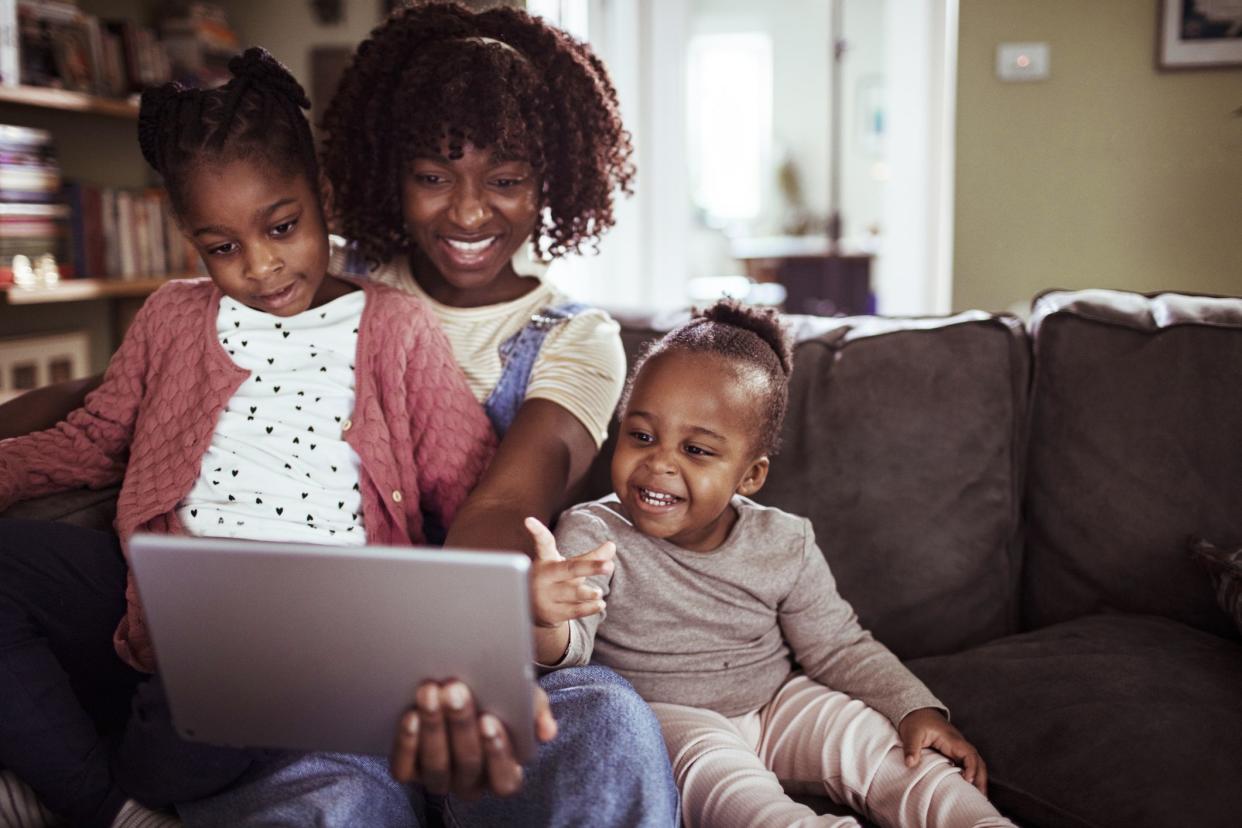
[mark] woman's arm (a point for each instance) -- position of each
(547, 450)
(540, 462)
(44, 407)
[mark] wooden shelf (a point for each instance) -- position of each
(47, 98)
(80, 290)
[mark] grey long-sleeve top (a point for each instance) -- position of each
(722, 629)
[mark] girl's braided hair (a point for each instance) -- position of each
(257, 115)
(754, 337)
(437, 76)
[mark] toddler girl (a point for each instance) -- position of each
(714, 598)
(270, 401)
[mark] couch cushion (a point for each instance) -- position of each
(1106, 720)
(902, 447)
(1135, 446)
(90, 508)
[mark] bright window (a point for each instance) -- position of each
(729, 106)
(568, 15)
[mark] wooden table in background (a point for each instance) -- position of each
(817, 278)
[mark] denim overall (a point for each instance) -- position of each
(517, 353)
(517, 358)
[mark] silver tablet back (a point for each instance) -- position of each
(321, 648)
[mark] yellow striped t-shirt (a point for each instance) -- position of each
(580, 367)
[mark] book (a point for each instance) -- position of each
(158, 244)
(10, 54)
(35, 24)
(125, 236)
(75, 200)
(32, 230)
(199, 42)
(24, 137)
(71, 51)
(107, 220)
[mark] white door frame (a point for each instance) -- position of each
(915, 274)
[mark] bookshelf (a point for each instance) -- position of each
(82, 290)
(95, 141)
(69, 70)
(61, 99)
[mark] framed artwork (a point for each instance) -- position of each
(30, 362)
(1199, 34)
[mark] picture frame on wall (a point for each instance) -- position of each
(1199, 34)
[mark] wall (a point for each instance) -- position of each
(291, 30)
(1110, 174)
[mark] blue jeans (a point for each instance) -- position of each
(606, 767)
(64, 695)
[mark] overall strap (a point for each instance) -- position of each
(517, 358)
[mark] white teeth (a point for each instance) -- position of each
(471, 247)
(657, 498)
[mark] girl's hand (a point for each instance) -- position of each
(558, 589)
(444, 744)
(928, 728)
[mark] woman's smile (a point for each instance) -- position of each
(468, 254)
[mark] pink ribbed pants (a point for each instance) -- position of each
(810, 739)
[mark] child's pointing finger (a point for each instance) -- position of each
(545, 541)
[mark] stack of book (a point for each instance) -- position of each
(54, 43)
(99, 232)
(126, 233)
(34, 221)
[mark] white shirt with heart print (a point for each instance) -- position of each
(278, 467)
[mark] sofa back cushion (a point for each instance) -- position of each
(902, 446)
(1135, 447)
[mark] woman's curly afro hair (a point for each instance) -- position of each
(437, 76)
(755, 339)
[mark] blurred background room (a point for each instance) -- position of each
(901, 157)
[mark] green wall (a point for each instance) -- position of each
(1110, 174)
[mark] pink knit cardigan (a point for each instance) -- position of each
(423, 439)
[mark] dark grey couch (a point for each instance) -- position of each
(1009, 507)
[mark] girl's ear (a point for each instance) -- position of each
(754, 478)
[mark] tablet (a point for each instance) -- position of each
(301, 646)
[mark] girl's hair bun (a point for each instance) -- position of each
(750, 336)
(764, 323)
(257, 66)
(155, 100)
